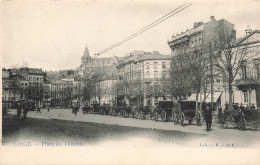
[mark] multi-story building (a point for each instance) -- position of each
(35, 89)
(61, 92)
(141, 77)
(10, 89)
(102, 73)
(192, 47)
(246, 86)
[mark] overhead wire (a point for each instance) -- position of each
(168, 15)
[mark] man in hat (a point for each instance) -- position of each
(208, 117)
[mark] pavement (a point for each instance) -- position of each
(218, 137)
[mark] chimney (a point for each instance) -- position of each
(212, 18)
(195, 25)
(248, 30)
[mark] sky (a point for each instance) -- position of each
(52, 35)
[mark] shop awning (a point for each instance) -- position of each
(215, 97)
(193, 97)
(208, 97)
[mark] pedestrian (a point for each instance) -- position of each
(38, 109)
(25, 111)
(242, 108)
(76, 108)
(48, 108)
(19, 110)
(253, 107)
(208, 117)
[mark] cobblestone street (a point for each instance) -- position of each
(59, 124)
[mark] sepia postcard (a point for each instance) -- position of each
(130, 82)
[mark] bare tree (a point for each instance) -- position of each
(130, 88)
(199, 66)
(228, 57)
(180, 79)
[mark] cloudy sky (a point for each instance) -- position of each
(53, 34)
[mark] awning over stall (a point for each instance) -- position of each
(208, 97)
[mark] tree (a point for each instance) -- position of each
(180, 80)
(228, 57)
(130, 89)
(199, 67)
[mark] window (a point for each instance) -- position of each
(25, 84)
(30, 78)
(147, 74)
(155, 74)
(34, 79)
(147, 65)
(244, 72)
(155, 65)
(245, 97)
(163, 74)
(22, 84)
(37, 78)
(164, 65)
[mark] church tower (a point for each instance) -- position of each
(85, 56)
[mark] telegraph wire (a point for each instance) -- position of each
(168, 15)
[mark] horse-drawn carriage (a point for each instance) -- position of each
(104, 109)
(186, 110)
(143, 112)
(29, 105)
(163, 111)
(240, 117)
(125, 111)
(116, 111)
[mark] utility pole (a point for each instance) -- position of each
(211, 77)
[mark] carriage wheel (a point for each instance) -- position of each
(163, 116)
(114, 112)
(155, 116)
(220, 118)
(224, 123)
(198, 119)
(150, 115)
(175, 120)
(122, 113)
(256, 125)
(182, 117)
(141, 115)
(242, 124)
(133, 115)
(137, 114)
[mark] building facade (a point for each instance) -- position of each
(247, 83)
(191, 59)
(10, 89)
(142, 76)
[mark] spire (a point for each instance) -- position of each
(85, 56)
(86, 52)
